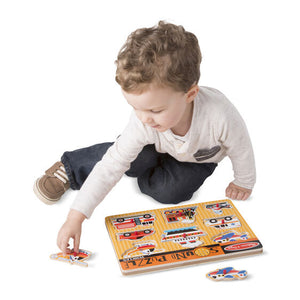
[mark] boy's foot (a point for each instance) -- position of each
(50, 187)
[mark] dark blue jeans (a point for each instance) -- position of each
(159, 175)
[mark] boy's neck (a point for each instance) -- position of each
(184, 125)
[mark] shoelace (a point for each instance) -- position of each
(61, 174)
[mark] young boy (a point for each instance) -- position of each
(176, 135)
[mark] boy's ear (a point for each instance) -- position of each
(192, 93)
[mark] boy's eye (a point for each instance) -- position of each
(156, 111)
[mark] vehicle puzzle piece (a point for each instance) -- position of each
(223, 222)
(133, 221)
(230, 236)
(217, 207)
(146, 248)
(183, 215)
(73, 257)
(135, 235)
(227, 274)
(185, 237)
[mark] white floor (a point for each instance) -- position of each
(58, 93)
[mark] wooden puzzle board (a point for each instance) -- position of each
(180, 235)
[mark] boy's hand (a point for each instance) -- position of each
(70, 229)
(236, 192)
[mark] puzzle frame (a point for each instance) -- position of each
(180, 235)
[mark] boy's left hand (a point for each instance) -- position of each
(236, 192)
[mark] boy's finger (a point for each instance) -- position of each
(64, 246)
(240, 195)
(234, 194)
(246, 196)
(76, 243)
(228, 192)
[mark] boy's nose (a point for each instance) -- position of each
(144, 117)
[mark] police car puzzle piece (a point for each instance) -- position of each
(227, 274)
(230, 236)
(73, 258)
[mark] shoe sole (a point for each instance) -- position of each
(41, 196)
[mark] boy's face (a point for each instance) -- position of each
(162, 108)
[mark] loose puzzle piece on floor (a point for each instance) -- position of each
(227, 274)
(73, 258)
(174, 236)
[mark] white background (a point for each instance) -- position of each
(58, 93)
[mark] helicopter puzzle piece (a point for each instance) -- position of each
(228, 273)
(73, 258)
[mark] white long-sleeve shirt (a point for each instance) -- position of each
(217, 130)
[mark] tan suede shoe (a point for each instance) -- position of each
(50, 187)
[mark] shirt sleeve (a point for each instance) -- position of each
(235, 138)
(111, 168)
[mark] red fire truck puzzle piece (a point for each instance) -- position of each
(135, 235)
(133, 221)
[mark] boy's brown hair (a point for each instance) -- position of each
(165, 54)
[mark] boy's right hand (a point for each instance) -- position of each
(70, 229)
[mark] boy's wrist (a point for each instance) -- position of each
(75, 215)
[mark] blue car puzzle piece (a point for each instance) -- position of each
(228, 273)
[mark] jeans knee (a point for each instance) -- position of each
(165, 195)
(172, 197)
